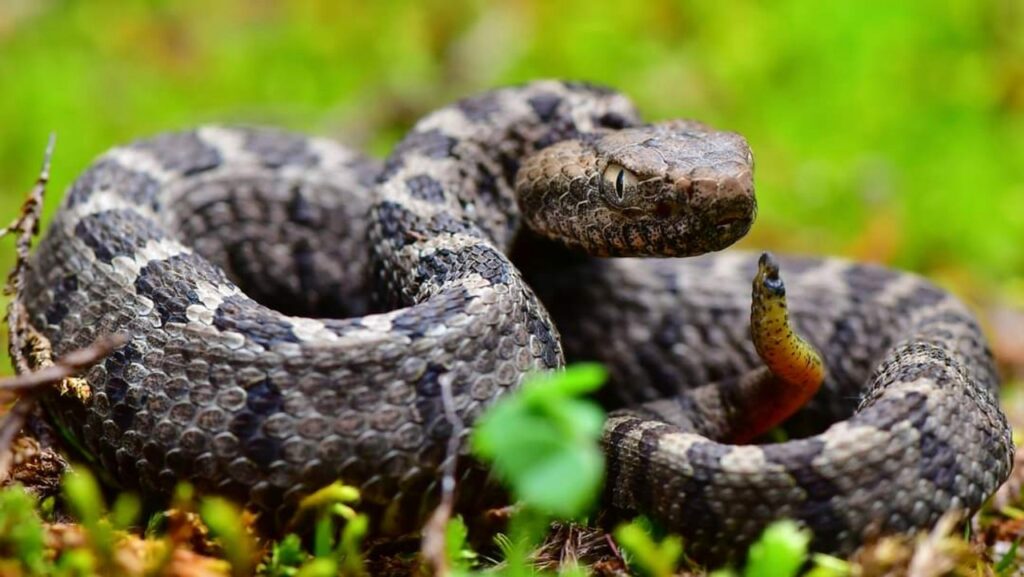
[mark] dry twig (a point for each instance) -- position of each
(432, 547)
(22, 338)
(25, 228)
(67, 366)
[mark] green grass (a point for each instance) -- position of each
(861, 113)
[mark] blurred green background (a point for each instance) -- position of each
(885, 131)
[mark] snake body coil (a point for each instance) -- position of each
(236, 262)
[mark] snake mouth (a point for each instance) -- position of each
(729, 221)
(736, 213)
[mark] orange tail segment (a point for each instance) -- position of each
(796, 367)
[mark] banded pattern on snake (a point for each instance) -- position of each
(241, 263)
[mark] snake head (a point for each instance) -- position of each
(676, 188)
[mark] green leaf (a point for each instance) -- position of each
(225, 522)
(83, 496)
(285, 559)
(656, 559)
(21, 531)
(323, 536)
(349, 551)
(460, 556)
(543, 441)
(564, 483)
(575, 380)
(526, 529)
(780, 552)
(1009, 560)
(125, 511)
(319, 567)
(828, 566)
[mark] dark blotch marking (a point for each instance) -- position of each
(123, 416)
(885, 412)
(254, 321)
(277, 148)
(435, 311)
(938, 459)
(924, 295)
(867, 281)
(616, 438)
(116, 361)
(245, 424)
(262, 450)
(395, 221)
(58, 308)
(264, 398)
(487, 185)
(305, 267)
(428, 385)
(445, 223)
(844, 334)
(181, 152)
(367, 170)
(940, 368)
(425, 187)
(509, 166)
(114, 233)
(544, 333)
(115, 389)
(107, 174)
(401, 226)
(342, 327)
(479, 108)
(582, 86)
(170, 284)
(545, 105)
(643, 485)
(300, 211)
(429, 143)
(446, 265)
(797, 458)
(691, 489)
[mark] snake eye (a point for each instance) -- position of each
(618, 179)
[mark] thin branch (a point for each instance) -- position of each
(25, 227)
(67, 366)
(432, 547)
(11, 423)
(28, 381)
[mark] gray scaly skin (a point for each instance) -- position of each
(236, 261)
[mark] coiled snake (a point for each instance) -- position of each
(240, 264)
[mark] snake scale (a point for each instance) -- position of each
(298, 313)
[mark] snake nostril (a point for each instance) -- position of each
(663, 210)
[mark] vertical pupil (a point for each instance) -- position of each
(619, 181)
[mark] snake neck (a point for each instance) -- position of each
(448, 186)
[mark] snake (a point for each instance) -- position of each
(297, 312)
